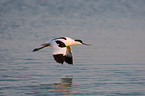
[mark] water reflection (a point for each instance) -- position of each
(64, 87)
(61, 88)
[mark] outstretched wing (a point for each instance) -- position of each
(68, 56)
(59, 51)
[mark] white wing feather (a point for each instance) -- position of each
(61, 52)
(58, 50)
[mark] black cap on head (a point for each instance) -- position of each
(79, 40)
(82, 42)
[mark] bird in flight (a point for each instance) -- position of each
(62, 51)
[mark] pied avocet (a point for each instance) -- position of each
(61, 48)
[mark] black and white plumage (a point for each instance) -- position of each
(62, 51)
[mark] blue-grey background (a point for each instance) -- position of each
(113, 66)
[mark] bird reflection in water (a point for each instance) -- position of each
(64, 87)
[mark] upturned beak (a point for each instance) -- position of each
(86, 44)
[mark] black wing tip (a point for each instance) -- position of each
(69, 60)
(59, 58)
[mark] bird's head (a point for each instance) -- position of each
(81, 42)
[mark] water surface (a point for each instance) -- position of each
(113, 66)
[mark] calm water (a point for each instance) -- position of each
(113, 66)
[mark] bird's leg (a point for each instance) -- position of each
(37, 49)
(43, 46)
